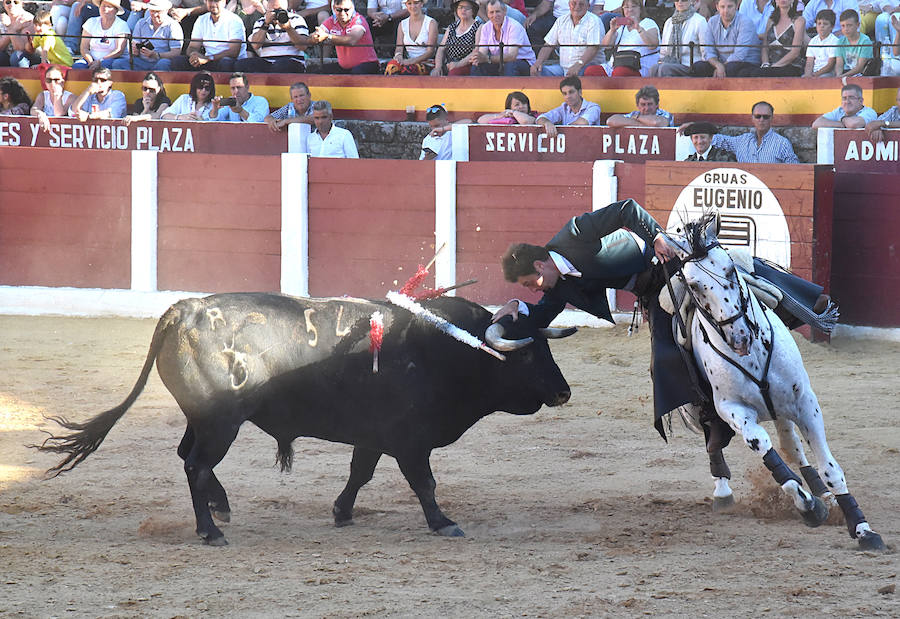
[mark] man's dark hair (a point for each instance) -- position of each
(766, 103)
(647, 92)
(827, 15)
(519, 260)
(237, 75)
(849, 14)
(572, 81)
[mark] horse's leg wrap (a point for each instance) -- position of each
(852, 513)
(813, 481)
(717, 465)
(780, 471)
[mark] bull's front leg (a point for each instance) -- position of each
(417, 470)
(361, 469)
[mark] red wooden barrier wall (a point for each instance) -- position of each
(219, 222)
(65, 222)
(371, 222)
(499, 203)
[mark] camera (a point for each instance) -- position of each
(281, 16)
(228, 101)
(146, 45)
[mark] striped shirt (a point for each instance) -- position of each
(892, 115)
(774, 148)
(670, 120)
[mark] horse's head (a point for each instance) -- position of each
(721, 296)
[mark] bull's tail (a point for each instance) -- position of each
(88, 436)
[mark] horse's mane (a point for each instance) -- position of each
(695, 233)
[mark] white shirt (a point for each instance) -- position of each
(338, 143)
(228, 28)
(589, 31)
(442, 145)
(822, 50)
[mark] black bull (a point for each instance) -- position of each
(302, 367)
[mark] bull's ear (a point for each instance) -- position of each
(554, 333)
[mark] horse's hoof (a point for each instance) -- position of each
(451, 530)
(343, 523)
(870, 540)
(816, 514)
(221, 516)
(723, 504)
(215, 541)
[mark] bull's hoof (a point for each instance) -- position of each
(215, 541)
(343, 523)
(816, 514)
(870, 540)
(221, 516)
(451, 530)
(723, 504)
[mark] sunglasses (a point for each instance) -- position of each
(13, 2)
(434, 109)
(337, 10)
(204, 86)
(762, 116)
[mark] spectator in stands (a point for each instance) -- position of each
(14, 101)
(16, 23)
(313, 12)
(854, 48)
(186, 12)
(701, 135)
(891, 62)
(247, 107)
(328, 140)
(156, 40)
(812, 8)
(573, 111)
(53, 102)
(762, 145)
(153, 102)
(730, 44)
(416, 42)
(757, 11)
(437, 144)
(889, 120)
(50, 48)
(103, 38)
(679, 31)
(782, 54)
(647, 114)
(636, 32)
(82, 12)
(346, 28)
(821, 53)
(544, 15)
(280, 39)
(883, 30)
(516, 111)
(384, 17)
(454, 55)
(518, 57)
(852, 113)
(515, 10)
(217, 41)
(249, 11)
(197, 102)
(299, 110)
(59, 16)
(578, 33)
(99, 100)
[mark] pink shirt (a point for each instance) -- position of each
(511, 33)
(349, 57)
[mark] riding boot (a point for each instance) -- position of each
(717, 432)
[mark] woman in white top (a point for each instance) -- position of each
(103, 38)
(55, 101)
(416, 36)
(679, 31)
(194, 105)
(634, 31)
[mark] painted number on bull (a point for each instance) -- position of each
(310, 328)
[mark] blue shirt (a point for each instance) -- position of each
(114, 102)
(892, 115)
(814, 6)
(668, 116)
(257, 108)
(774, 148)
(837, 114)
(563, 115)
(721, 43)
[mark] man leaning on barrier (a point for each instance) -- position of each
(889, 120)
(647, 114)
(852, 113)
(762, 145)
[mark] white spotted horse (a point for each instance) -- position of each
(756, 373)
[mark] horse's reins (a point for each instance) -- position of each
(763, 383)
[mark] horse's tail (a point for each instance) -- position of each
(88, 436)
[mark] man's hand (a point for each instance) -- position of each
(273, 124)
(536, 69)
(196, 59)
(179, 13)
(549, 128)
(720, 71)
(683, 128)
(43, 121)
(874, 129)
(510, 309)
(662, 248)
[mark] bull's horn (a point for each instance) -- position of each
(494, 337)
(552, 333)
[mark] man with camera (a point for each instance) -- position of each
(155, 40)
(217, 40)
(241, 106)
(279, 38)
